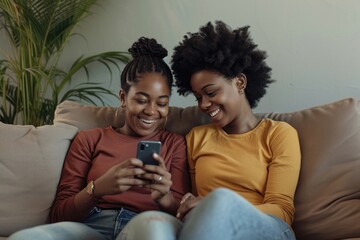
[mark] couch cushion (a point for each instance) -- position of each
(180, 120)
(327, 198)
(30, 165)
(88, 116)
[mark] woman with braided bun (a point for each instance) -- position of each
(102, 184)
(244, 169)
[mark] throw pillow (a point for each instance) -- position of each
(31, 160)
(327, 197)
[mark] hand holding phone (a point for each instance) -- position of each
(145, 151)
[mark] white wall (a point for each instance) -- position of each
(313, 45)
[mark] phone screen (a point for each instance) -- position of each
(145, 150)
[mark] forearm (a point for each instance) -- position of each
(84, 202)
(74, 208)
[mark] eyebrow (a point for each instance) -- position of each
(210, 84)
(148, 96)
(202, 89)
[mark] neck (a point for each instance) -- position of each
(245, 122)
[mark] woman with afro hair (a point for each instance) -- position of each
(244, 169)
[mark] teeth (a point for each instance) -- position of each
(147, 121)
(212, 114)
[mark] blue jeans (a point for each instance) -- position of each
(223, 214)
(101, 224)
(154, 225)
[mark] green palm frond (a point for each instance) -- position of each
(39, 31)
(9, 107)
(105, 58)
(88, 92)
(46, 114)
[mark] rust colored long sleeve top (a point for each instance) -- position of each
(94, 151)
(261, 165)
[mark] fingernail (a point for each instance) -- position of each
(178, 215)
(155, 154)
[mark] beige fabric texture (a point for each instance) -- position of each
(327, 199)
(31, 160)
(180, 120)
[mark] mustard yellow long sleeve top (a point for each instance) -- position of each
(261, 165)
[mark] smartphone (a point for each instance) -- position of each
(145, 150)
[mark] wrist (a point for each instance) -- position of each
(168, 203)
(90, 189)
(165, 200)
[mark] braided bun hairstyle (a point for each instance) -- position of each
(147, 58)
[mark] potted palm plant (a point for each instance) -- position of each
(31, 82)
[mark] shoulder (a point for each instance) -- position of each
(95, 131)
(278, 127)
(202, 131)
(93, 134)
(281, 134)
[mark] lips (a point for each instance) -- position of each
(214, 113)
(147, 121)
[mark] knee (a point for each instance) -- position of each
(30, 233)
(224, 195)
(150, 216)
(224, 199)
(151, 225)
(223, 192)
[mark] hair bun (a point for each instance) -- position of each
(147, 46)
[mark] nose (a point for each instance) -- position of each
(204, 103)
(150, 109)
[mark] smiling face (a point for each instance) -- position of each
(219, 97)
(147, 105)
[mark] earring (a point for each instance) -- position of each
(241, 91)
(123, 105)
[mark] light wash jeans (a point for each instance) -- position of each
(101, 224)
(221, 215)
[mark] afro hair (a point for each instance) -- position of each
(228, 52)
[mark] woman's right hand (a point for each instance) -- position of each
(119, 178)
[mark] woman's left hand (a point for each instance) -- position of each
(188, 202)
(159, 179)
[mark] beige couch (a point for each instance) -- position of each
(327, 198)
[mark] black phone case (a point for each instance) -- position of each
(145, 150)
